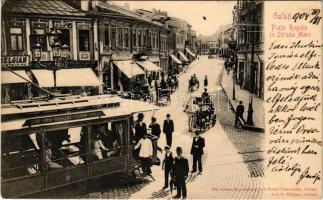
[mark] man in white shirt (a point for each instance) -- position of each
(145, 153)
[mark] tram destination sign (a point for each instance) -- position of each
(14, 61)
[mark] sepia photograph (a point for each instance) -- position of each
(133, 99)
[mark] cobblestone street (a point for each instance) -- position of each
(232, 162)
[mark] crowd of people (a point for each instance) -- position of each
(176, 168)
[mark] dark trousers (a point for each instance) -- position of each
(169, 139)
(145, 164)
(237, 119)
(181, 189)
(197, 160)
(167, 173)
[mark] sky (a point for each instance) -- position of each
(217, 13)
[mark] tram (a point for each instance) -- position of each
(55, 143)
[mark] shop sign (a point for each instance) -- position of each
(121, 56)
(14, 61)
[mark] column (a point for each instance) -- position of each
(28, 34)
(74, 41)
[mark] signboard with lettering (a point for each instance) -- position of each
(14, 61)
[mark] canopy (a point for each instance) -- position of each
(8, 77)
(176, 59)
(149, 66)
(183, 56)
(44, 77)
(190, 52)
(129, 68)
(80, 77)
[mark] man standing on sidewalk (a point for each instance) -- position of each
(197, 151)
(168, 129)
(180, 170)
(168, 164)
(239, 114)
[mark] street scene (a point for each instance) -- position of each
(125, 100)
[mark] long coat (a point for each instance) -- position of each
(155, 129)
(140, 131)
(197, 146)
(168, 126)
(180, 169)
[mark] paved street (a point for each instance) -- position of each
(233, 158)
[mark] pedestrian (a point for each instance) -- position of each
(168, 164)
(180, 171)
(239, 114)
(206, 82)
(145, 153)
(168, 129)
(140, 128)
(155, 131)
(197, 151)
(149, 80)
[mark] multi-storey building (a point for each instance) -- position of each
(247, 25)
(49, 44)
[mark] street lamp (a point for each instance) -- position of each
(232, 45)
(37, 51)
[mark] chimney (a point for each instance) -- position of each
(85, 5)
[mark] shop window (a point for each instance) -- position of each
(84, 40)
(65, 37)
(20, 156)
(16, 41)
(109, 140)
(66, 147)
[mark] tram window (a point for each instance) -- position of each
(109, 140)
(66, 147)
(20, 156)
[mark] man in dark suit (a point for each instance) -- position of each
(168, 129)
(197, 151)
(155, 130)
(168, 164)
(239, 114)
(180, 171)
(140, 128)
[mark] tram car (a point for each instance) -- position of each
(55, 143)
(201, 112)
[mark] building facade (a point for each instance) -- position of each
(247, 26)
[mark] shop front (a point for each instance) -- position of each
(176, 65)
(190, 55)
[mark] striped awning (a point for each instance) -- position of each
(183, 56)
(190, 52)
(45, 78)
(129, 68)
(18, 76)
(80, 77)
(148, 65)
(176, 59)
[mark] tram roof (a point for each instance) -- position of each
(25, 113)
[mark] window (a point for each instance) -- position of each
(126, 34)
(113, 37)
(139, 39)
(120, 37)
(106, 37)
(145, 38)
(65, 37)
(84, 40)
(134, 39)
(16, 43)
(39, 36)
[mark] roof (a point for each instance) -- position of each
(8, 77)
(42, 7)
(125, 12)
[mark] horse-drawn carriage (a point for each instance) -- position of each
(201, 113)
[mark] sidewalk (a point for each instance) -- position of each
(243, 95)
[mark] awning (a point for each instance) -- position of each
(183, 56)
(80, 77)
(8, 77)
(129, 68)
(190, 52)
(45, 78)
(176, 59)
(149, 66)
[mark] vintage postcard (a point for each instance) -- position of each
(161, 99)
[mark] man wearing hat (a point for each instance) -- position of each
(168, 129)
(180, 170)
(197, 151)
(168, 164)
(140, 128)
